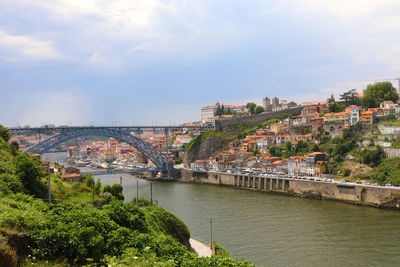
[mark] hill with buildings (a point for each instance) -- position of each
(355, 138)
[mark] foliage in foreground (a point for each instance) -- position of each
(33, 232)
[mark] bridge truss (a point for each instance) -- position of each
(124, 134)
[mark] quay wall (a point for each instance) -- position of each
(328, 190)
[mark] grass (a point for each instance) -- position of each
(75, 192)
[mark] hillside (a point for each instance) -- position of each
(71, 231)
(212, 141)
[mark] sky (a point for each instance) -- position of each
(153, 62)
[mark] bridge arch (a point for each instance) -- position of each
(150, 151)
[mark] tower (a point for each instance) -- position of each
(275, 102)
(267, 104)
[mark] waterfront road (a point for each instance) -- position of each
(200, 248)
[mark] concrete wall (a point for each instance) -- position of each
(220, 124)
(341, 191)
(392, 152)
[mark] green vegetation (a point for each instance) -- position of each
(376, 93)
(350, 97)
(388, 171)
(196, 142)
(222, 111)
(220, 250)
(335, 107)
(301, 148)
(73, 232)
(251, 107)
(259, 109)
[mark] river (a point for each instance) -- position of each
(276, 230)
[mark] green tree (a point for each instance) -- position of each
(97, 187)
(350, 97)
(289, 146)
(301, 146)
(251, 107)
(88, 180)
(30, 173)
(372, 157)
(335, 107)
(259, 109)
(315, 148)
(376, 93)
(14, 147)
(4, 133)
(115, 190)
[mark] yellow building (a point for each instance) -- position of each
(337, 117)
(278, 127)
(320, 167)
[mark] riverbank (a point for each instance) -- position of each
(356, 194)
(201, 249)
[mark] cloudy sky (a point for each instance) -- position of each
(158, 62)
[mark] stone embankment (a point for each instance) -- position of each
(222, 123)
(377, 196)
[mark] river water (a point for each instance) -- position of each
(276, 230)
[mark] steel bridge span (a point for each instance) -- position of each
(123, 133)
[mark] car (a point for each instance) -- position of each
(318, 179)
(311, 179)
(368, 183)
(396, 185)
(329, 180)
(388, 185)
(375, 184)
(358, 182)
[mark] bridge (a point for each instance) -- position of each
(133, 171)
(127, 134)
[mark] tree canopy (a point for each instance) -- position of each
(251, 107)
(4, 133)
(335, 107)
(259, 109)
(350, 97)
(376, 93)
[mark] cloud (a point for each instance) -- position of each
(61, 107)
(22, 48)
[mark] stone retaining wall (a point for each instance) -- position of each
(222, 123)
(340, 191)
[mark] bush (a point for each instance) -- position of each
(216, 261)
(127, 215)
(10, 184)
(30, 172)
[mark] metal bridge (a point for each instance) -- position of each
(123, 133)
(133, 171)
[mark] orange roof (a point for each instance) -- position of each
(315, 102)
(315, 153)
(70, 175)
